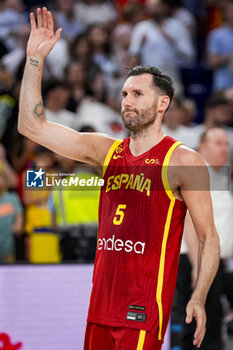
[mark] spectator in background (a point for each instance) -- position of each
(217, 114)
(214, 150)
(95, 11)
(11, 220)
(102, 51)
(10, 22)
(37, 213)
(55, 63)
(173, 124)
(57, 60)
(220, 51)
(94, 111)
(67, 20)
(7, 101)
(132, 13)
(7, 169)
(188, 112)
(197, 7)
(183, 15)
(57, 93)
(35, 201)
(153, 39)
(228, 94)
(22, 153)
(14, 58)
(80, 51)
(77, 80)
(75, 210)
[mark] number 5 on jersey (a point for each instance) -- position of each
(119, 216)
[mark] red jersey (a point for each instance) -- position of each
(138, 245)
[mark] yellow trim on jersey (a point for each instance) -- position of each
(165, 235)
(141, 339)
(109, 154)
(165, 169)
(161, 267)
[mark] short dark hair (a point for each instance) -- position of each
(160, 80)
(53, 83)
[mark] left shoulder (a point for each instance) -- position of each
(184, 156)
(188, 169)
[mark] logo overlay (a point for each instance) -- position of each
(46, 180)
(144, 179)
(35, 178)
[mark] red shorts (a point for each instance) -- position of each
(101, 337)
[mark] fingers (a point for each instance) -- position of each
(32, 21)
(197, 310)
(45, 21)
(57, 35)
(200, 330)
(39, 18)
(50, 21)
(189, 314)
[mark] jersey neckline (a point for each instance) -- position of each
(155, 147)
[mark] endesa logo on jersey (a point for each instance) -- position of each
(118, 245)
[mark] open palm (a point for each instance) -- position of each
(42, 37)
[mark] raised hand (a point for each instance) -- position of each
(42, 37)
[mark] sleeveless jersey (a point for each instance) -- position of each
(138, 244)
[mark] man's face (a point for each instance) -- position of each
(139, 102)
(215, 148)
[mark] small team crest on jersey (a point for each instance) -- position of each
(152, 161)
(119, 149)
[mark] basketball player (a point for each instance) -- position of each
(141, 210)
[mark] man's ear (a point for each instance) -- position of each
(163, 103)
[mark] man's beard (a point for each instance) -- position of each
(138, 122)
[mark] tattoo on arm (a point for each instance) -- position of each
(34, 62)
(38, 110)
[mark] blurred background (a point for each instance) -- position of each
(48, 238)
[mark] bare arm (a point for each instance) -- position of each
(86, 147)
(192, 242)
(194, 184)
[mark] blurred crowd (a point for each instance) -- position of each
(191, 40)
